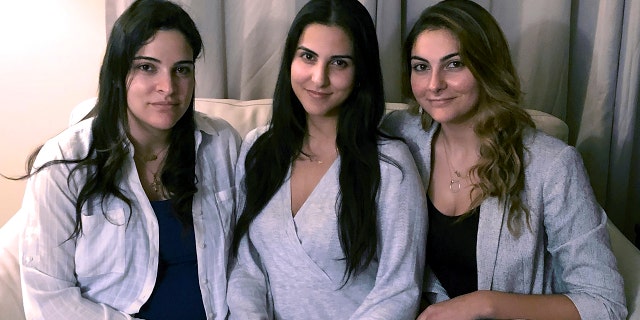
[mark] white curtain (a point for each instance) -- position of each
(578, 60)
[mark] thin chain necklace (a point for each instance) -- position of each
(153, 156)
(156, 184)
(454, 182)
(315, 159)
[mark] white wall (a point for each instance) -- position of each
(49, 61)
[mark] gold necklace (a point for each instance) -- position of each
(454, 183)
(313, 158)
(156, 184)
(151, 157)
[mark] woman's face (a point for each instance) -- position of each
(443, 86)
(322, 70)
(160, 84)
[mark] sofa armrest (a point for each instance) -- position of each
(628, 257)
(10, 290)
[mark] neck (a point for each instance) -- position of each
(460, 148)
(149, 150)
(322, 128)
(459, 137)
(320, 142)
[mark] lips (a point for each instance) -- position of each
(164, 103)
(439, 101)
(318, 94)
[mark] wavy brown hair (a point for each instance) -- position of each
(500, 121)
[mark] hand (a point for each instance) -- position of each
(471, 306)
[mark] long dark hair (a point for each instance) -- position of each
(109, 147)
(500, 119)
(270, 157)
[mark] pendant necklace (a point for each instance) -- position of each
(313, 158)
(454, 182)
(156, 184)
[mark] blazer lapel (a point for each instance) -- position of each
(489, 230)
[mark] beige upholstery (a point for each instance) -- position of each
(244, 116)
(10, 294)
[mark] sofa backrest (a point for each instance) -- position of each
(245, 115)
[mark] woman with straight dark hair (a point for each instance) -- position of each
(128, 211)
(515, 231)
(333, 214)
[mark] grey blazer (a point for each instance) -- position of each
(566, 247)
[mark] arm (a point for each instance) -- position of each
(248, 291)
(402, 219)
(578, 241)
(49, 284)
(486, 304)
(585, 278)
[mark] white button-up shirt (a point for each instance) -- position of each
(109, 271)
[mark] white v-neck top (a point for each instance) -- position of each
(292, 268)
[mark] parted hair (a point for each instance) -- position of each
(500, 120)
(110, 148)
(268, 160)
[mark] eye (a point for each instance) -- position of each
(340, 63)
(306, 56)
(419, 67)
(184, 70)
(455, 64)
(145, 67)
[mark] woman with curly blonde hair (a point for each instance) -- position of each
(514, 228)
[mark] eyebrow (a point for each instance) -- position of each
(158, 61)
(346, 56)
(445, 58)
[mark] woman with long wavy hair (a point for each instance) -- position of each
(128, 211)
(333, 215)
(514, 228)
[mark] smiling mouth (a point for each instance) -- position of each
(317, 94)
(440, 101)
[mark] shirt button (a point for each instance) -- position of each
(205, 281)
(203, 245)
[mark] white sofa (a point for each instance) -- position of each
(244, 116)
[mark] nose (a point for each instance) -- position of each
(320, 75)
(437, 82)
(165, 82)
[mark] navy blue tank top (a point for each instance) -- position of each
(176, 294)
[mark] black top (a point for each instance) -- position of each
(176, 294)
(451, 250)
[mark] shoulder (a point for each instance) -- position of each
(395, 149)
(213, 125)
(400, 123)
(396, 159)
(72, 143)
(408, 126)
(547, 153)
(254, 134)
